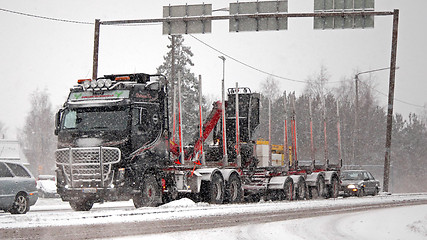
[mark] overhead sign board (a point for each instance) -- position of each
(344, 6)
(187, 27)
(258, 24)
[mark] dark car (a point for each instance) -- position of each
(358, 183)
(18, 189)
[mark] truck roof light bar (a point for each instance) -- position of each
(124, 78)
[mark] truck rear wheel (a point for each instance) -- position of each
(81, 205)
(234, 189)
(213, 191)
(288, 191)
(333, 188)
(302, 190)
(318, 191)
(150, 193)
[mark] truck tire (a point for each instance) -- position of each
(301, 193)
(333, 189)
(288, 190)
(20, 205)
(318, 191)
(213, 191)
(150, 193)
(233, 191)
(81, 205)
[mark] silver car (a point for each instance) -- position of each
(358, 183)
(18, 189)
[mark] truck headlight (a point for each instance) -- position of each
(351, 186)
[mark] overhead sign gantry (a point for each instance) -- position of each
(273, 15)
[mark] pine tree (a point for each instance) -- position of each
(189, 84)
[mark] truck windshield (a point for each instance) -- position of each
(99, 118)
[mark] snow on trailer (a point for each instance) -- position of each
(115, 143)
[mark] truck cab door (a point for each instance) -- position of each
(145, 125)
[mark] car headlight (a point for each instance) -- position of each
(351, 186)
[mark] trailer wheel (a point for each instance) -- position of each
(213, 191)
(301, 194)
(233, 191)
(318, 191)
(288, 190)
(333, 189)
(81, 205)
(150, 193)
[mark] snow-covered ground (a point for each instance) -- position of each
(408, 222)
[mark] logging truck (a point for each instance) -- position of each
(115, 143)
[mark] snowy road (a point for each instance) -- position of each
(409, 222)
(51, 219)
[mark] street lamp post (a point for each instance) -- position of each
(356, 131)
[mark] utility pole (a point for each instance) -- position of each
(390, 100)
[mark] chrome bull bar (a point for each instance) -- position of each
(88, 167)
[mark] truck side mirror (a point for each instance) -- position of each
(58, 121)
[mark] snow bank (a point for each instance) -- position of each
(183, 202)
(57, 213)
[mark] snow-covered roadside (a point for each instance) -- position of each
(180, 209)
(409, 222)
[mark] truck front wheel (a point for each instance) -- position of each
(150, 195)
(81, 205)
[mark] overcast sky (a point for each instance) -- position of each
(52, 55)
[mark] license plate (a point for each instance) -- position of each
(89, 190)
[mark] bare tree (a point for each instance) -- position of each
(316, 85)
(270, 87)
(37, 136)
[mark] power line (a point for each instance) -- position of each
(396, 99)
(45, 18)
(247, 65)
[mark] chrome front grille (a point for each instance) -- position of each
(82, 166)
